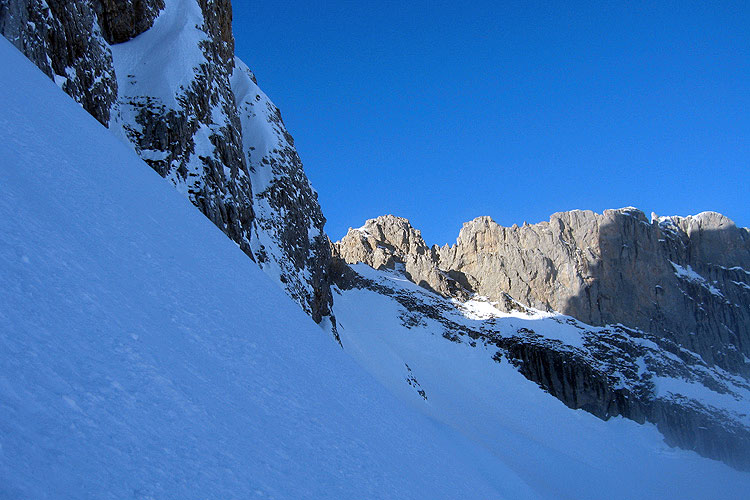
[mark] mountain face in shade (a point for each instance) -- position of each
(163, 76)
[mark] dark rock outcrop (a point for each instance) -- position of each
(63, 39)
(122, 20)
(197, 118)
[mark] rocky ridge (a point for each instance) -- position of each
(683, 279)
(389, 240)
(199, 120)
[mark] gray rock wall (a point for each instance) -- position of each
(389, 241)
(683, 278)
(122, 20)
(64, 39)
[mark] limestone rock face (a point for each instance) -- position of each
(63, 38)
(122, 20)
(162, 75)
(387, 241)
(685, 279)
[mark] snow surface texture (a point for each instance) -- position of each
(143, 355)
(563, 453)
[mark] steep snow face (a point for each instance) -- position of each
(162, 75)
(142, 355)
(458, 366)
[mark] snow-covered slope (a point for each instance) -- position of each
(162, 74)
(142, 355)
(195, 113)
(444, 361)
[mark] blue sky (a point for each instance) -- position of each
(442, 112)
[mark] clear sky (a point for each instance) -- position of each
(444, 111)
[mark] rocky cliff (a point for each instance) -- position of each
(684, 279)
(388, 240)
(163, 76)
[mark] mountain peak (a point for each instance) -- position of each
(613, 267)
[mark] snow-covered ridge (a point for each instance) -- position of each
(607, 371)
(289, 241)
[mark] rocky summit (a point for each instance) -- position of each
(685, 279)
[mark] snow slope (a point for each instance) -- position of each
(143, 355)
(562, 453)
